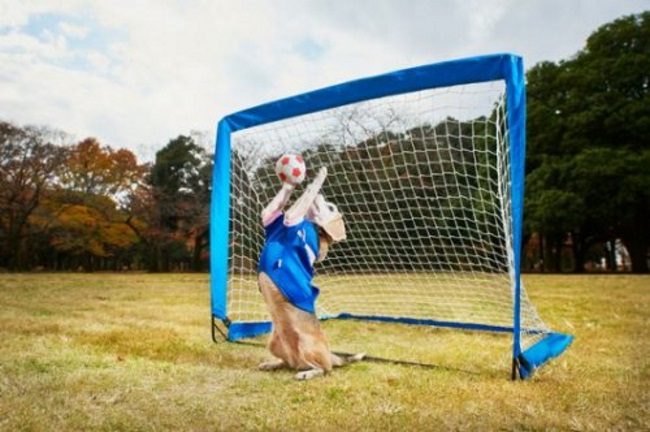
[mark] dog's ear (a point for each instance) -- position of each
(324, 242)
(328, 217)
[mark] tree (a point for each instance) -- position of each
(612, 94)
(99, 170)
(589, 119)
(88, 229)
(82, 209)
(180, 180)
(27, 168)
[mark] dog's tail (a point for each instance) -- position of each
(342, 359)
(354, 358)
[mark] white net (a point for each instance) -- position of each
(423, 182)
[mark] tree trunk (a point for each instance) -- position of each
(610, 255)
(16, 253)
(165, 261)
(638, 250)
(543, 255)
(200, 242)
(153, 263)
(578, 248)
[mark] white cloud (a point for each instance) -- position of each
(137, 74)
(14, 14)
(75, 31)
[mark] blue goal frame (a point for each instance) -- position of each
(494, 67)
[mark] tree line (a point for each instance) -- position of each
(87, 206)
(91, 207)
(588, 159)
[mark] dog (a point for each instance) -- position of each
(294, 241)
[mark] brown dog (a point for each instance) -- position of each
(295, 240)
(297, 339)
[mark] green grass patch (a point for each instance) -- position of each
(133, 352)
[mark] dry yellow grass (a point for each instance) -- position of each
(133, 352)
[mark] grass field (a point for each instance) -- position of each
(133, 352)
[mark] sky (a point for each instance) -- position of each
(137, 73)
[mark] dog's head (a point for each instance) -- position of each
(330, 222)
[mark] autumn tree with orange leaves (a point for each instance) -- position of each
(86, 206)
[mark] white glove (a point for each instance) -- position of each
(275, 207)
(300, 208)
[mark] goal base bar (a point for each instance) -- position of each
(243, 330)
(552, 346)
(246, 329)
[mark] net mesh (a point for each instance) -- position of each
(423, 181)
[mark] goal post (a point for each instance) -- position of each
(427, 166)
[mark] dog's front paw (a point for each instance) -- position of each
(309, 374)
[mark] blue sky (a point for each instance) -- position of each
(79, 37)
(137, 73)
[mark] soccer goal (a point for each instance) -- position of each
(427, 166)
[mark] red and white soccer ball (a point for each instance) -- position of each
(291, 169)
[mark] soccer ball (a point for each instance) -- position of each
(291, 169)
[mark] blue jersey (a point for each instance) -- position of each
(288, 259)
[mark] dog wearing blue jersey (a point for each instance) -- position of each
(294, 241)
